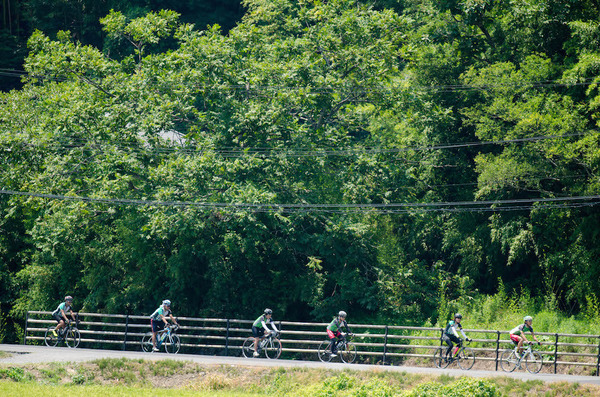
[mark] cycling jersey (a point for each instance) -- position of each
(262, 321)
(160, 311)
(451, 329)
(336, 324)
(521, 328)
(62, 306)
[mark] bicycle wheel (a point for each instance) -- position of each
(147, 342)
(508, 360)
(533, 362)
(439, 357)
(273, 348)
(348, 353)
(72, 337)
(325, 351)
(466, 358)
(172, 344)
(49, 339)
(248, 347)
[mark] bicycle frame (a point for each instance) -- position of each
(164, 335)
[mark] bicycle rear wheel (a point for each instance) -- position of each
(348, 353)
(72, 337)
(325, 351)
(248, 347)
(439, 357)
(533, 362)
(147, 342)
(273, 348)
(508, 360)
(466, 358)
(49, 339)
(172, 344)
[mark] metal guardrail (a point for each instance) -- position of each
(376, 344)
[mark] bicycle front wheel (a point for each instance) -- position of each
(533, 362)
(72, 337)
(248, 347)
(508, 360)
(172, 344)
(466, 358)
(147, 342)
(439, 357)
(49, 339)
(325, 351)
(348, 353)
(273, 348)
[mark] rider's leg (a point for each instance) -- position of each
(520, 345)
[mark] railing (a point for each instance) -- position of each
(376, 344)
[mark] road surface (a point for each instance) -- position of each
(27, 354)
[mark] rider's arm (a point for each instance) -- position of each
(274, 327)
(453, 328)
(264, 325)
(463, 333)
(64, 315)
(173, 319)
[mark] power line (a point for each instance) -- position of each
(457, 206)
(234, 152)
(248, 88)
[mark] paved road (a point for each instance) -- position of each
(26, 354)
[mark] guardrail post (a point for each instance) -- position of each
(497, 348)
(27, 321)
(555, 351)
(126, 330)
(227, 339)
(385, 338)
(598, 364)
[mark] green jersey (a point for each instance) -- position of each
(161, 311)
(520, 329)
(336, 324)
(258, 323)
(62, 306)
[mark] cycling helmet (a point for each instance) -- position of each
(68, 298)
(458, 315)
(342, 314)
(268, 311)
(527, 318)
(166, 302)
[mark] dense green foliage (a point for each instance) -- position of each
(192, 164)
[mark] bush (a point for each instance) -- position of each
(464, 387)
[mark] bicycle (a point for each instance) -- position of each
(69, 334)
(511, 359)
(346, 349)
(269, 343)
(464, 357)
(166, 337)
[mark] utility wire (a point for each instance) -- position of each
(320, 90)
(457, 206)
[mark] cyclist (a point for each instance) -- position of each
(333, 331)
(259, 327)
(158, 320)
(450, 335)
(60, 314)
(517, 334)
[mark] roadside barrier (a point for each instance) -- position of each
(376, 344)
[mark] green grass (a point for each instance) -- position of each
(8, 389)
(121, 377)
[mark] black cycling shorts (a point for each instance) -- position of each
(257, 332)
(58, 318)
(157, 325)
